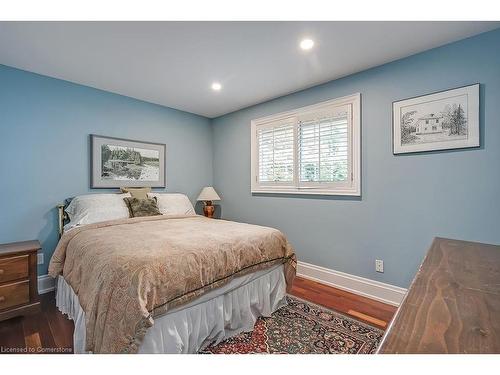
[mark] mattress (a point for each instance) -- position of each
(211, 318)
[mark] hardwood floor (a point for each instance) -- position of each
(50, 332)
(365, 309)
(46, 332)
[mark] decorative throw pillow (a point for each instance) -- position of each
(140, 193)
(142, 207)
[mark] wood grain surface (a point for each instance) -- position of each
(13, 268)
(14, 294)
(19, 247)
(453, 304)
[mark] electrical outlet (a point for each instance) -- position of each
(379, 265)
(40, 258)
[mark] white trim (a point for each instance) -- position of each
(390, 294)
(337, 102)
(352, 187)
(45, 284)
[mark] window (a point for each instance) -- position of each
(310, 150)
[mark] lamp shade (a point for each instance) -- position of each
(208, 194)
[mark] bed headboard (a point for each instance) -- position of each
(63, 217)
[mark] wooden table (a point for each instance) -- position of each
(453, 303)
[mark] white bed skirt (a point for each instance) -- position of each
(213, 317)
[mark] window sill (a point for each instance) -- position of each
(340, 192)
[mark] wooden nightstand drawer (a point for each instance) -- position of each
(14, 268)
(14, 294)
(18, 279)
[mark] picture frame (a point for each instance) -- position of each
(119, 162)
(442, 120)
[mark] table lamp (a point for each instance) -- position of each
(208, 195)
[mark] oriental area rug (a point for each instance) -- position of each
(303, 328)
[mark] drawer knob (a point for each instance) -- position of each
(1, 271)
(2, 298)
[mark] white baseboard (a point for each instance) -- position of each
(45, 284)
(390, 294)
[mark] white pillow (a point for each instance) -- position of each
(93, 208)
(173, 204)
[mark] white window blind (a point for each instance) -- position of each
(311, 150)
(276, 153)
(323, 149)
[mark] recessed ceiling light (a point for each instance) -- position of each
(216, 86)
(306, 44)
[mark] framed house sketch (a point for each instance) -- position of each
(439, 121)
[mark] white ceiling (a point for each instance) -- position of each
(174, 63)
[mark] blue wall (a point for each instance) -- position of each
(44, 148)
(406, 199)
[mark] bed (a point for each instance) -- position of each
(168, 283)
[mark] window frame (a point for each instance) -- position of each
(350, 187)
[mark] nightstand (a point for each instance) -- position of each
(18, 279)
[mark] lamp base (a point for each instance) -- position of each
(209, 209)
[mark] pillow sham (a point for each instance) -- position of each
(140, 193)
(173, 204)
(142, 207)
(93, 208)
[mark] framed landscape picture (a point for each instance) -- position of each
(440, 121)
(117, 162)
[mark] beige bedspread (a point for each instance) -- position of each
(125, 272)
